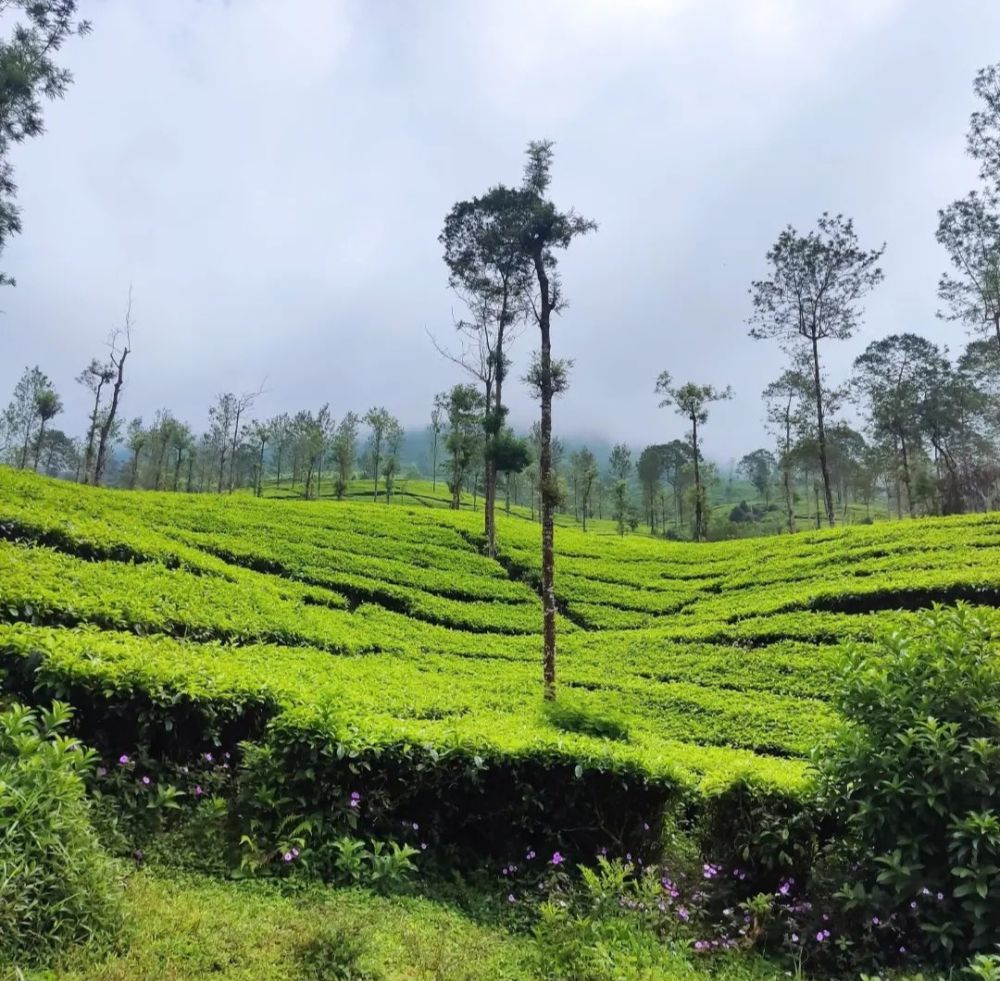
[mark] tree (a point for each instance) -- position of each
(813, 294)
(220, 417)
(544, 231)
(136, 438)
(492, 273)
(692, 401)
(260, 433)
(758, 467)
(94, 377)
(382, 427)
(786, 401)
(890, 385)
(676, 468)
(983, 140)
(21, 417)
(345, 449)
(435, 429)
(586, 474)
(620, 466)
(47, 405)
(463, 407)
(969, 230)
(121, 346)
(28, 73)
(650, 469)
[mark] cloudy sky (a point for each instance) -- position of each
(271, 178)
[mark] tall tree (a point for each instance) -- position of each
(890, 382)
(814, 292)
(21, 417)
(676, 468)
(758, 467)
(620, 466)
(120, 343)
(787, 401)
(692, 401)
(381, 425)
(492, 273)
(136, 439)
(983, 140)
(463, 407)
(434, 430)
(48, 405)
(650, 469)
(94, 377)
(29, 73)
(969, 230)
(544, 231)
(345, 450)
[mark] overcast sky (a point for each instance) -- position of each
(271, 177)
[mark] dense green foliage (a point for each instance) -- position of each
(56, 885)
(377, 651)
(916, 774)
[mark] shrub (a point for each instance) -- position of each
(915, 775)
(56, 884)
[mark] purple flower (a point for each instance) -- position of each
(913, 904)
(198, 791)
(288, 856)
(822, 935)
(940, 896)
(902, 949)
(709, 871)
(794, 938)
(531, 854)
(123, 759)
(785, 888)
(355, 799)
(510, 897)
(423, 846)
(700, 945)
(295, 853)
(208, 757)
(416, 827)
(145, 780)
(556, 859)
(683, 914)
(876, 921)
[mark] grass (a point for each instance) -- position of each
(185, 926)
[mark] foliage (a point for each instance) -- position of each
(56, 885)
(915, 774)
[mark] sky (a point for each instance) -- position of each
(271, 179)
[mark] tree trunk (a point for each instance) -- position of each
(103, 443)
(698, 503)
(905, 460)
(547, 486)
(824, 466)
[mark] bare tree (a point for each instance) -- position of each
(120, 343)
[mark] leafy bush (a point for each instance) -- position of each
(334, 953)
(915, 775)
(56, 884)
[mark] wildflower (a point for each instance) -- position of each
(557, 859)
(288, 856)
(504, 870)
(208, 757)
(902, 948)
(794, 938)
(510, 897)
(416, 827)
(295, 853)
(913, 904)
(225, 756)
(700, 945)
(876, 921)
(645, 826)
(530, 854)
(102, 771)
(423, 846)
(709, 871)
(355, 799)
(940, 896)
(145, 781)
(785, 888)
(123, 759)
(198, 791)
(628, 856)
(683, 914)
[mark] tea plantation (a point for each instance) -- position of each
(375, 650)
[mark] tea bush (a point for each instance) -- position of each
(915, 777)
(56, 885)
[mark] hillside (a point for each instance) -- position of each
(382, 633)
